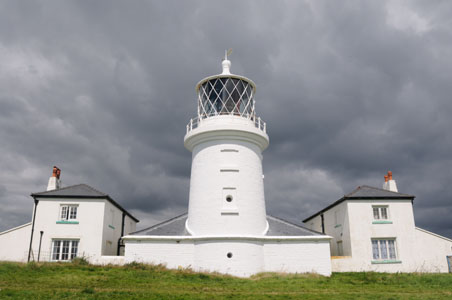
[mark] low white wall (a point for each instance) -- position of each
(298, 257)
(168, 252)
(249, 256)
(432, 250)
(109, 260)
(14, 243)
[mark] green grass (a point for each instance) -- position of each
(137, 281)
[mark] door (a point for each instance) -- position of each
(449, 263)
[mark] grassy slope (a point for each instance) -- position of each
(71, 281)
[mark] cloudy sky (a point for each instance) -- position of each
(349, 90)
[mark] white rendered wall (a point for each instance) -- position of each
(249, 256)
(89, 230)
(112, 228)
(431, 251)
(336, 225)
(362, 230)
(417, 250)
(298, 257)
(226, 160)
(14, 243)
(167, 252)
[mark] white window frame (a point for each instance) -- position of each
(68, 212)
(384, 249)
(379, 212)
(63, 249)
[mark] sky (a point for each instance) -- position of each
(348, 89)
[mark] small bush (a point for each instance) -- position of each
(80, 261)
(88, 290)
(136, 266)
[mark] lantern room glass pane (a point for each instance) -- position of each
(225, 96)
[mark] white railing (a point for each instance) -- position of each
(195, 122)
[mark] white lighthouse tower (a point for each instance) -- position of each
(226, 228)
(227, 140)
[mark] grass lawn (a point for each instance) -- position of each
(136, 281)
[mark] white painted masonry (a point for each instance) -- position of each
(14, 243)
(226, 160)
(250, 255)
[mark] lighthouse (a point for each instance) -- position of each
(226, 228)
(226, 140)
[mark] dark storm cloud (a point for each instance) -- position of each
(104, 90)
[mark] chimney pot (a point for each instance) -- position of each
(54, 171)
(54, 180)
(386, 178)
(389, 175)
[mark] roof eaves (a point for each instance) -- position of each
(403, 196)
(102, 196)
(325, 209)
(121, 208)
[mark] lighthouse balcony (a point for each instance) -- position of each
(253, 121)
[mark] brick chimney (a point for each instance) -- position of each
(54, 180)
(390, 184)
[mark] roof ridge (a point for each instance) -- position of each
(375, 188)
(160, 224)
(69, 187)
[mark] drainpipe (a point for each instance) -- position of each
(32, 227)
(40, 240)
(122, 233)
(323, 223)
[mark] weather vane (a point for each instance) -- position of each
(227, 53)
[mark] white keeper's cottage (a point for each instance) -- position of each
(373, 229)
(68, 222)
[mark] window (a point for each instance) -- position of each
(380, 212)
(68, 212)
(384, 249)
(64, 249)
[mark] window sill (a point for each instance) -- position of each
(391, 261)
(67, 222)
(382, 222)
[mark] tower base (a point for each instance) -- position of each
(286, 248)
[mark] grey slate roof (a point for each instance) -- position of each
(80, 191)
(365, 192)
(171, 227)
(280, 227)
(176, 227)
